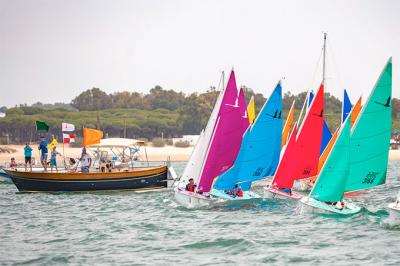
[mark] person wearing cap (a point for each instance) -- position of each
(44, 152)
(191, 186)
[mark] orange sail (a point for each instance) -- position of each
(327, 150)
(302, 161)
(355, 112)
(288, 125)
(91, 136)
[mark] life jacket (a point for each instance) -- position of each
(239, 193)
(190, 187)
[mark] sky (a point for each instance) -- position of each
(52, 50)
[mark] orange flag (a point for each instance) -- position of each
(355, 112)
(91, 136)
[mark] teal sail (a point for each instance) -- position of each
(259, 153)
(331, 181)
(370, 136)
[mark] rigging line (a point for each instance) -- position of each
(332, 57)
(315, 70)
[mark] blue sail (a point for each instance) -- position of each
(326, 133)
(346, 107)
(310, 98)
(326, 137)
(260, 149)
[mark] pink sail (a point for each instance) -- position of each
(243, 109)
(226, 140)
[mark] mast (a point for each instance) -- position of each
(324, 60)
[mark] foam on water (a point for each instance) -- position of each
(151, 228)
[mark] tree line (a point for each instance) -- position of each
(138, 115)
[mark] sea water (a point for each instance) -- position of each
(151, 228)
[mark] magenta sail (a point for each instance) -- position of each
(226, 140)
(243, 109)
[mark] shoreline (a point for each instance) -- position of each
(153, 153)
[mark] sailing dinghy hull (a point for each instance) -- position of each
(247, 196)
(394, 210)
(274, 193)
(192, 200)
(321, 207)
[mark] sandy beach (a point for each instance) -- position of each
(153, 153)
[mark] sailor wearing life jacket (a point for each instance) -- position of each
(237, 191)
(191, 186)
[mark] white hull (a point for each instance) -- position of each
(302, 186)
(263, 182)
(192, 200)
(270, 193)
(394, 210)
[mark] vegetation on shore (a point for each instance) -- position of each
(136, 115)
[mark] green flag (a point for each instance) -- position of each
(41, 126)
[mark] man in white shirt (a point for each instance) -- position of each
(86, 161)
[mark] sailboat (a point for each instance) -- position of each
(259, 153)
(370, 136)
(216, 149)
(394, 207)
(346, 111)
(328, 191)
(300, 158)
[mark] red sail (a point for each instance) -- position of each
(283, 176)
(300, 159)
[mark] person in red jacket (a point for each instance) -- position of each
(191, 186)
(237, 191)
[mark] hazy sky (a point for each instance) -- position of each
(52, 50)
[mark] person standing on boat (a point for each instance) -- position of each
(86, 161)
(44, 152)
(53, 158)
(28, 156)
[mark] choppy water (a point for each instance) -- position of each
(150, 228)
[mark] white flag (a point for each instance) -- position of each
(67, 127)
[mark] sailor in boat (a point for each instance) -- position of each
(286, 190)
(13, 163)
(43, 152)
(191, 186)
(237, 191)
(86, 161)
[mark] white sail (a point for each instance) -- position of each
(194, 165)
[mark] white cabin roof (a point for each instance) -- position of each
(117, 143)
